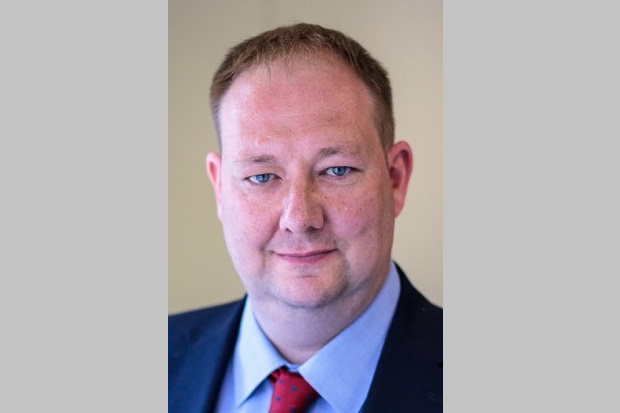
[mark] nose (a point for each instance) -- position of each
(302, 210)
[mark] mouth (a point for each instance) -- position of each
(305, 257)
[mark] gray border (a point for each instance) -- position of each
(83, 157)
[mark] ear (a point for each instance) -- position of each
(400, 164)
(214, 171)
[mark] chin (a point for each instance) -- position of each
(308, 303)
(309, 293)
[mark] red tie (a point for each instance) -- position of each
(291, 393)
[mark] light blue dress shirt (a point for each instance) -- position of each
(341, 372)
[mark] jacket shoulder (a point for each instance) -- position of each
(192, 326)
(409, 375)
(200, 344)
(203, 315)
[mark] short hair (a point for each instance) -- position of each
(288, 42)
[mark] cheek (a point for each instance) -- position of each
(362, 214)
(246, 221)
(350, 219)
(365, 210)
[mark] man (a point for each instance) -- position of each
(308, 185)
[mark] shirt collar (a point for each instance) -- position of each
(254, 358)
(339, 372)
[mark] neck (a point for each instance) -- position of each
(299, 332)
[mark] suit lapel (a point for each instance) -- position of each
(409, 374)
(201, 360)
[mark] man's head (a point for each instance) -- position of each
(285, 44)
(307, 190)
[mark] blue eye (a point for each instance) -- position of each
(261, 178)
(338, 170)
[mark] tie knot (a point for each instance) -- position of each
(291, 392)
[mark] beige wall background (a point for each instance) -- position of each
(405, 35)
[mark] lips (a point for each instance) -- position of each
(305, 257)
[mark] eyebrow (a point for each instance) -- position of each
(338, 150)
(260, 159)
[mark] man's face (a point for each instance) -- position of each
(306, 196)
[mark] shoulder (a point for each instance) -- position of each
(208, 315)
(191, 326)
(200, 344)
(420, 321)
(410, 369)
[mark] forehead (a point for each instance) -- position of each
(306, 92)
(298, 71)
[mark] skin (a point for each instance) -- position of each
(307, 198)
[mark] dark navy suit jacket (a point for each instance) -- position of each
(409, 375)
